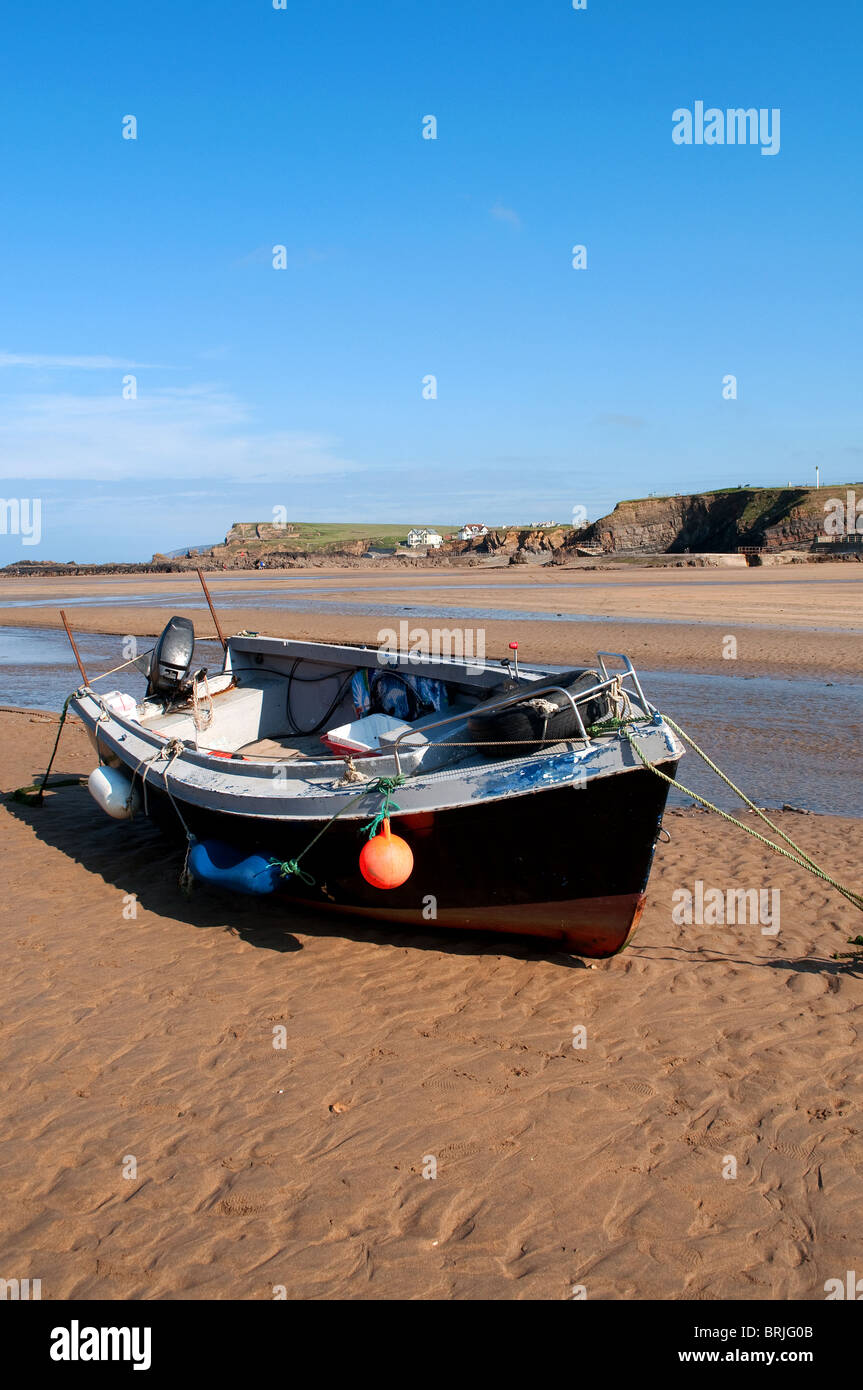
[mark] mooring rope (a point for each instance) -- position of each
(384, 786)
(26, 794)
(800, 857)
(133, 661)
(172, 750)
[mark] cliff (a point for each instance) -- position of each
(713, 521)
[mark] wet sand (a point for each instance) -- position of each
(805, 619)
(152, 1036)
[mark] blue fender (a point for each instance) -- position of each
(236, 870)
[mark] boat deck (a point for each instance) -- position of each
(285, 747)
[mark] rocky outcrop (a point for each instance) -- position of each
(712, 521)
(508, 541)
(260, 531)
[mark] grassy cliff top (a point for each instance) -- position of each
(322, 535)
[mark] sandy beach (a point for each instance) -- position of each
(138, 1031)
(157, 1145)
(798, 620)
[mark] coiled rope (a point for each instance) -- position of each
(202, 709)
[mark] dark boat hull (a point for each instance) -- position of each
(568, 864)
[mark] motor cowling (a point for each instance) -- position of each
(171, 661)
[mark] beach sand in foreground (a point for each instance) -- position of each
(152, 1037)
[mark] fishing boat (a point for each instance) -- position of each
(512, 793)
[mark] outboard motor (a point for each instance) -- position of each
(171, 661)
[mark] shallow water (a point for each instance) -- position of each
(309, 598)
(296, 601)
(250, 593)
(38, 671)
(781, 740)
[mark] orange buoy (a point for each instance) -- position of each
(386, 860)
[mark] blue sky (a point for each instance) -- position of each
(407, 257)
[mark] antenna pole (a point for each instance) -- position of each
(74, 648)
(212, 611)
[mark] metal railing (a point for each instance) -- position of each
(531, 694)
(629, 673)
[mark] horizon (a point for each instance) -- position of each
(848, 505)
(384, 264)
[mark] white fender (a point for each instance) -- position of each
(115, 792)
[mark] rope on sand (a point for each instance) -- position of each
(35, 795)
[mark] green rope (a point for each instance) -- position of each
(800, 857)
(611, 726)
(289, 867)
(384, 785)
(26, 794)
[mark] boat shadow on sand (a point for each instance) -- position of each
(138, 859)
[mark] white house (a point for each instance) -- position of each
(421, 535)
(472, 530)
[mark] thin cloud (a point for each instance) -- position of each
(87, 364)
(626, 422)
(199, 432)
(504, 214)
